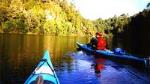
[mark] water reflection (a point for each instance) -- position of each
(99, 65)
(19, 54)
(82, 72)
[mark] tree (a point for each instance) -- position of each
(148, 5)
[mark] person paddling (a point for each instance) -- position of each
(98, 42)
(101, 42)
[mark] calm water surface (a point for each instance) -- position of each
(19, 55)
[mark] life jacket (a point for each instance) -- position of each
(101, 45)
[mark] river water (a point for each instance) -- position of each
(19, 55)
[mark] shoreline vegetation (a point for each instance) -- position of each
(30, 33)
(53, 17)
(61, 18)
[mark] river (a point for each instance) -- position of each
(19, 55)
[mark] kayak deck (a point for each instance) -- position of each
(45, 71)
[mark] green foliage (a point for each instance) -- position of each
(8, 26)
(20, 25)
(148, 5)
(55, 17)
(100, 25)
(49, 26)
(29, 4)
(3, 13)
(118, 23)
(137, 32)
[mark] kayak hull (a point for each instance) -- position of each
(110, 54)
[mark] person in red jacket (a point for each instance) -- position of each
(101, 42)
(98, 42)
(100, 45)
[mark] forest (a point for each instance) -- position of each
(54, 17)
(60, 18)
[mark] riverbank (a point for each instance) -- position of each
(30, 33)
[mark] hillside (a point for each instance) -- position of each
(54, 17)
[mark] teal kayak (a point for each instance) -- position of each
(44, 72)
(110, 54)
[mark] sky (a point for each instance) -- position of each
(94, 9)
